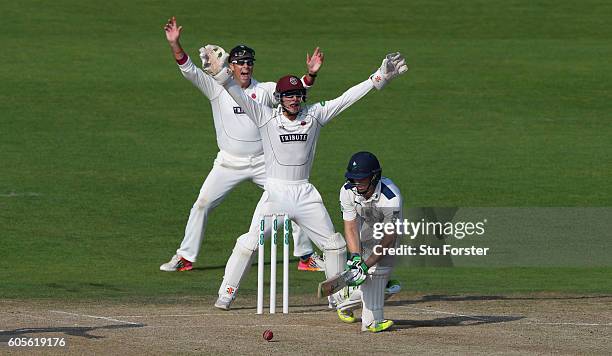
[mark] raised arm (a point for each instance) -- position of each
(257, 112)
(327, 110)
(313, 65)
(173, 35)
(214, 64)
(392, 66)
(189, 70)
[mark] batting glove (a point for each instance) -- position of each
(214, 63)
(358, 270)
(392, 66)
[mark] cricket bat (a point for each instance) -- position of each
(333, 284)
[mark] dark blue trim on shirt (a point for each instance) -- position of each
(386, 191)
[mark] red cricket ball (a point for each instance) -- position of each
(268, 335)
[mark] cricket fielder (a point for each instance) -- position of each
(240, 156)
(290, 133)
(366, 199)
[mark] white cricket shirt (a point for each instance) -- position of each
(236, 133)
(384, 206)
(289, 146)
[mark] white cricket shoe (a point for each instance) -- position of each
(224, 302)
(176, 263)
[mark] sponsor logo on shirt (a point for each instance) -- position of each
(293, 137)
(238, 110)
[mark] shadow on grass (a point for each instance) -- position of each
(323, 306)
(455, 321)
(210, 268)
(451, 321)
(464, 298)
(79, 287)
(82, 331)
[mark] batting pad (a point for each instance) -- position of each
(335, 255)
(352, 301)
(373, 295)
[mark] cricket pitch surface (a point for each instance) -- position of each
(425, 324)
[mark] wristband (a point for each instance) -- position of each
(183, 59)
(308, 81)
(312, 75)
(353, 255)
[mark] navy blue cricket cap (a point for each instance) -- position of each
(241, 52)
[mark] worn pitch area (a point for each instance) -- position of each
(424, 323)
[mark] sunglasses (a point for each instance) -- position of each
(294, 96)
(242, 62)
(293, 93)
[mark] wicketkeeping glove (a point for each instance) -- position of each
(392, 66)
(358, 270)
(214, 63)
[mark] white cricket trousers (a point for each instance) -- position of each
(304, 205)
(227, 172)
(301, 201)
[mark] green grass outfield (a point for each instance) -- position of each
(104, 146)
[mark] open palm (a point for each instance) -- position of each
(173, 31)
(314, 62)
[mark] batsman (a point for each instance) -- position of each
(367, 199)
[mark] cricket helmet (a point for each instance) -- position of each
(289, 83)
(363, 165)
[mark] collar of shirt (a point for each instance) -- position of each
(253, 84)
(301, 123)
(375, 196)
(251, 89)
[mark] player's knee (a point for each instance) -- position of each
(202, 204)
(335, 242)
(246, 243)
